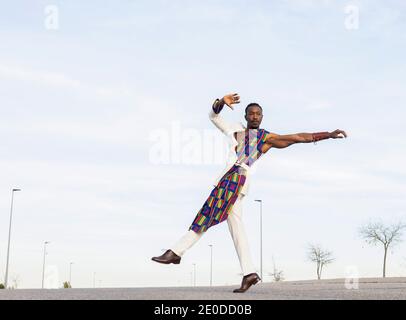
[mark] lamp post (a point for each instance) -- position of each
(9, 236)
(211, 264)
(94, 279)
(260, 234)
(70, 272)
(43, 265)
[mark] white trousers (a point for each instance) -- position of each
(237, 231)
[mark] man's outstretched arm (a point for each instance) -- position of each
(282, 141)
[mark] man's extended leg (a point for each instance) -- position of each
(185, 242)
(173, 255)
(237, 230)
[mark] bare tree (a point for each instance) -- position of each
(320, 256)
(388, 235)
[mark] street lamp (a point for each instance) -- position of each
(94, 279)
(70, 272)
(43, 265)
(194, 274)
(260, 233)
(9, 236)
(211, 264)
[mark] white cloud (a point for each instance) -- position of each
(45, 78)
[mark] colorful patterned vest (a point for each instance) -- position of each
(250, 142)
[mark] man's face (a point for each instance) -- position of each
(253, 117)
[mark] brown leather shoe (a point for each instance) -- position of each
(248, 281)
(168, 257)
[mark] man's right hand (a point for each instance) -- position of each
(231, 99)
(338, 134)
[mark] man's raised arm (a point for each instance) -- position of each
(217, 106)
(283, 141)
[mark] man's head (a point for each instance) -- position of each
(253, 115)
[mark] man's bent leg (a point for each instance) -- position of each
(185, 242)
(239, 236)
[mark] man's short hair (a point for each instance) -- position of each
(252, 104)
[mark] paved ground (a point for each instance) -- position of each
(369, 288)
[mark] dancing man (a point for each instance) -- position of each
(248, 144)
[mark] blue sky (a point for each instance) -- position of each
(80, 106)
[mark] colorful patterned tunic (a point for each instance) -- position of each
(223, 196)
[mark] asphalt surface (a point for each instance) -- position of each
(336, 289)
